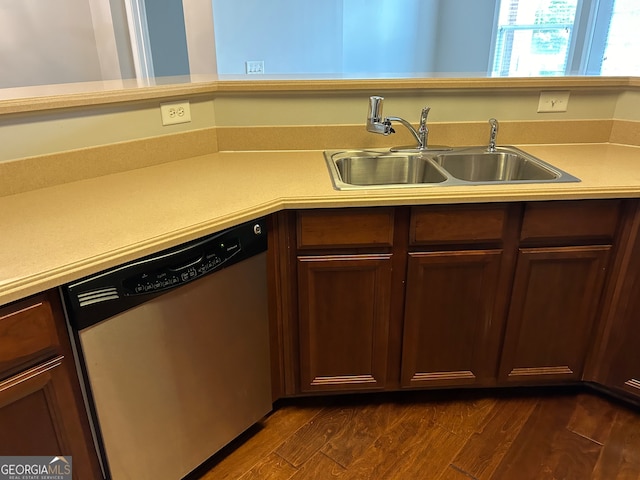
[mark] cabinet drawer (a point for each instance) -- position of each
(457, 224)
(593, 220)
(27, 334)
(362, 227)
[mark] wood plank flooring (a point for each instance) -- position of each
(439, 435)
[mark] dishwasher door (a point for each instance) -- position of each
(176, 378)
(173, 379)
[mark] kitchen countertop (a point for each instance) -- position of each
(58, 234)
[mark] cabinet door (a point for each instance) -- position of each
(616, 364)
(554, 302)
(343, 321)
(31, 402)
(38, 417)
(623, 352)
(453, 318)
(41, 409)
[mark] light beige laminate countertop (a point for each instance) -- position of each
(58, 234)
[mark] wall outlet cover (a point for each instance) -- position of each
(175, 112)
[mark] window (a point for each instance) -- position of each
(622, 47)
(533, 37)
(566, 37)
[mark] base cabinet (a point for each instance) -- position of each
(555, 299)
(438, 296)
(41, 409)
(452, 324)
(562, 264)
(616, 360)
(34, 411)
(343, 321)
(622, 360)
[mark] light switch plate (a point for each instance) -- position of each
(254, 67)
(553, 102)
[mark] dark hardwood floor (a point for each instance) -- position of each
(440, 435)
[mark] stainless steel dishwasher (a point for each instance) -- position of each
(174, 350)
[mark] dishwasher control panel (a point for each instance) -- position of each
(174, 275)
(97, 297)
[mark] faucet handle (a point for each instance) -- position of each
(423, 130)
(423, 119)
(493, 135)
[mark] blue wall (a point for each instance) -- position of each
(167, 37)
(354, 37)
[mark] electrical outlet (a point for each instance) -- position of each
(175, 112)
(553, 102)
(254, 67)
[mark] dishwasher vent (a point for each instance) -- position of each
(97, 296)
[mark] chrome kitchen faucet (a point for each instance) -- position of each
(376, 123)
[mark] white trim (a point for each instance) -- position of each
(140, 44)
(105, 39)
(494, 38)
(598, 37)
(577, 36)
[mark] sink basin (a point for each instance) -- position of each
(495, 167)
(386, 169)
(373, 169)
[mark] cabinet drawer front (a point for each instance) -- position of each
(366, 227)
(594, 220)
(27, 334)
(457, 224)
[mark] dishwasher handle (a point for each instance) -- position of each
(190, 264)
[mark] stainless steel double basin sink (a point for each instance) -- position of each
(367, 169)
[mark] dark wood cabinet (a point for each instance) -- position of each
(621, 371)
(443, 295)
(615, 363)
(41, 409)
(343, 294)
(562, 266)
(455, 301)
(555, 299)
(343, 321)
(453, 319)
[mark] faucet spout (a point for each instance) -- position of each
(409, 127)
